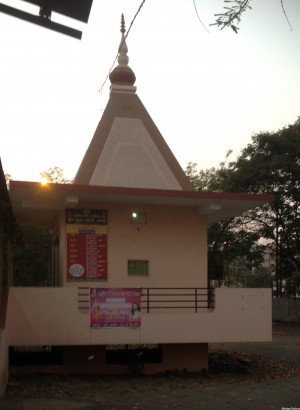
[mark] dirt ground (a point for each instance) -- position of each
(242, 376)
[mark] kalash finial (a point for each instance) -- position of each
(122, 57)
(122, 74)
(122, 24)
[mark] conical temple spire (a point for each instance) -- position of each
(122, 74)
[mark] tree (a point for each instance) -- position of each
(55, 175)
(229, 240)
(32, 258)
(7, 232)
(234, 9)
(232, 15)
(271, 164)
(211, 179)
(260, 278)
(233, 251)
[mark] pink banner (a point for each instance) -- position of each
(115, 307)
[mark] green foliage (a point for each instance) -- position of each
(204, 180)
(32, 258)
(32, 253)
(232, 243)
(269, 165)
(292, 284)
(260, 278)
(230, 239)
(212, 179)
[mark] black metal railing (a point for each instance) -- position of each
(83, 298)
(193, 299)
(163, 299)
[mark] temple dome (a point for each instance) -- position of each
(122, 74)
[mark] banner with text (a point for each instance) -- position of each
(86, 231)
(115, 307)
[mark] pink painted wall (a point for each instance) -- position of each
(51, 316)
(173, 240)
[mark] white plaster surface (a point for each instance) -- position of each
(130, 158)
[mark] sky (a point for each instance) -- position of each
(207, 90)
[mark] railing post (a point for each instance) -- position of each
(210, 292)
(148, 304)
(196, 300)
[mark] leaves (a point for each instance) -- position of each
(55, 175)
(270, 164)
(32, 257)
(232, 15)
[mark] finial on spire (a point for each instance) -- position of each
(123, 30)
(122, 57)
(122, 74)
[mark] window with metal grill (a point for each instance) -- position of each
(138, 268)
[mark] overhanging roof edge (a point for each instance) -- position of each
(147, 192)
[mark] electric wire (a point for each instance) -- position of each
(283, 9)
(203, 25)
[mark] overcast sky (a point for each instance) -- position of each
(207, 92)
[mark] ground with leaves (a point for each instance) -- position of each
(241, 376)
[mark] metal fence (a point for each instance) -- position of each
(164, 299)
(194, 299)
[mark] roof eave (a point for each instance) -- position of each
(32, 198)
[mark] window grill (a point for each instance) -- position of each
(138, 268)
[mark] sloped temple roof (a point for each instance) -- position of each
(127, 149)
